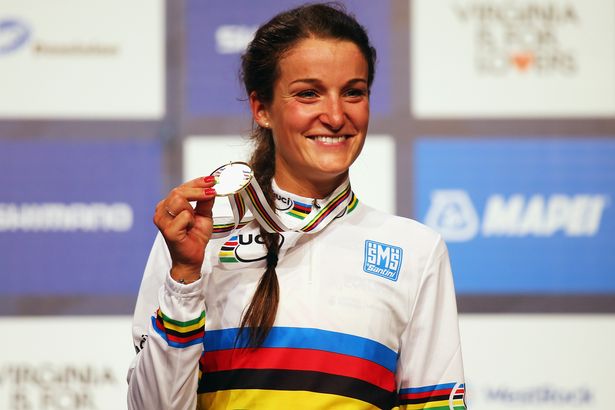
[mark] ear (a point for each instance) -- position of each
(259, 111)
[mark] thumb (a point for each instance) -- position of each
(203, 208)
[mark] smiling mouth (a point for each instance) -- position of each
(329, 139)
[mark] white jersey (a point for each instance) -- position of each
(367, 319)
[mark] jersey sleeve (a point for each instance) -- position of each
(168, 330)
(430, 368)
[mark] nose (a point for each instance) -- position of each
(333, 115)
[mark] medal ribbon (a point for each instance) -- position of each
(254, 199)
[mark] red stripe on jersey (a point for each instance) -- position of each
(299, 359)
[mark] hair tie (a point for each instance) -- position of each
(272, 259)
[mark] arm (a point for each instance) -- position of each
(430, 368)
(167, 332)
(169, 316)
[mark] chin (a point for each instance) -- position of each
(331, 173)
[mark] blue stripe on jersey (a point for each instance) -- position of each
(308, 338)
(429, 388)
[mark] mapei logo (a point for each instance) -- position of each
(382, 259)
(453, 214)
(13, 35)
(244, 248)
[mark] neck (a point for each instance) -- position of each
(309, 188)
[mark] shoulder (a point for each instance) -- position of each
(393, 227)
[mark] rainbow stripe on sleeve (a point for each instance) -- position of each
(436, 397)
(179, 334)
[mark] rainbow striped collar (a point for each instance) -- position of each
(292, 212)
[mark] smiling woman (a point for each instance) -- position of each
(318, 116)
(322, 303)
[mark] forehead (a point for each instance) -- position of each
(323, 59)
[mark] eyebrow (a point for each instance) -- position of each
(317, 81)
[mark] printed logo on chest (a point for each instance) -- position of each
(382, 259)
(244, 248)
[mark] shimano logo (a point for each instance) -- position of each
(382, 259)
(453, 214)
(13, 35)
(59, 217)
(233, 39)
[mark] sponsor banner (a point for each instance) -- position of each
(513, 58)
(77, 363)
(538, 362)
(533, 216)
(218, 32)
(74, 59)
(373, 186)
(75, 215)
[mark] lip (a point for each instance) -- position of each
(330, 139)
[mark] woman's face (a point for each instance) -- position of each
(319, 114)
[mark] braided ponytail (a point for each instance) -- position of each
(260, 314)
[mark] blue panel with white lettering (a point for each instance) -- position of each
(219, 30)
(382, 260)
(529, 216)
(76, 215)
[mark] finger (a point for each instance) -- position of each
(186, 224)
(204, 208)
(181, 195)
(200, 182)
(174, 204)
(167, 213)
(204, 203)
(179, 200)
(163, 214)
(203, 227)
(177, 228)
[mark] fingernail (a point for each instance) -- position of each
(210, 178)
(209, 191)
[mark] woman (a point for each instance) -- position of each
(360, 314)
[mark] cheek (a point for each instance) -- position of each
(297, 112)
(298, 116)
(360, 115)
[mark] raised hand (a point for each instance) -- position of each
(185, 229)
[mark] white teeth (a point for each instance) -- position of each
(329, 140)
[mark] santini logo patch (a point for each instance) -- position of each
(382, 259)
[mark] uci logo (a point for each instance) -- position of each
(244, 248)
(283, 203)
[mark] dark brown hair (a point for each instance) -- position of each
(259, 72)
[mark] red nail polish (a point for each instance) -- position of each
(210, 178)
(209, 191)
